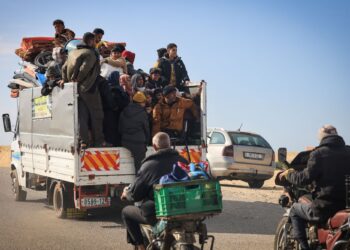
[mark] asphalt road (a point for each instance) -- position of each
(248, 221)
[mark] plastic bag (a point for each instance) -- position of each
(176, 175)
(198, 171)
(106, 70)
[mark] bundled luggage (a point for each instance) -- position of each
(182, 173)
(36, 53)
(32, 46)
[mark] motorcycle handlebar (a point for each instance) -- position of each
(281, 181)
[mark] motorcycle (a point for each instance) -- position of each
(181, 209)
(177, 234)
(334, 235)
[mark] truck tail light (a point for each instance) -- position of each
(228, 151)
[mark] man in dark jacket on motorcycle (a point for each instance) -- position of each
(327, 167)
(152, 169)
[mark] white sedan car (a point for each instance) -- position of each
(237, 155)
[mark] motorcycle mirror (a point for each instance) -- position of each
(7, 122)
(282, 154)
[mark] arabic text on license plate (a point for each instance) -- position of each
(94, 202)
(253, 156)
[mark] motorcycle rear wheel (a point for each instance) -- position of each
(280, 243)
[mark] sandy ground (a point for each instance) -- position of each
(250, 216)
(5, 156)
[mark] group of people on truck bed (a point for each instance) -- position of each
(118, 105)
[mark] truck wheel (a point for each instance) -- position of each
(256, 183)
(19, 194)
(59, 201)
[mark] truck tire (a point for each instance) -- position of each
(59, 201)
(19, 194)
(43, 59)
(256, 183)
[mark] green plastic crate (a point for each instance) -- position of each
(200, 196)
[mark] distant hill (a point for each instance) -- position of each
(291, 155)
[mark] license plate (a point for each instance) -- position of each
(87, 202)
(254, 156)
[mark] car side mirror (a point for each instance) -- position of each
(7, 122)
(282, 155)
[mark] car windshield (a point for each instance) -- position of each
(248, 140)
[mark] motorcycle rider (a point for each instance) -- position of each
(152, 169)
(327, 167)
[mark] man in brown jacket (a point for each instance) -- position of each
(62, 35)
(83, 67)
(168, 114)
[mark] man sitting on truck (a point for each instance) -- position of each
(99, 33)
(168, 114)
(62, 34)
(155, 79)
(153, 168)
(83, 67)
(116, 60)
(59, 56)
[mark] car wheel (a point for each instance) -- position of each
(256, 183)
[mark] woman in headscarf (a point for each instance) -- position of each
(138, 83)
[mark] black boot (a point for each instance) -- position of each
(304, 245)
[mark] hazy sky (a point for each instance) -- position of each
(279, 67)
